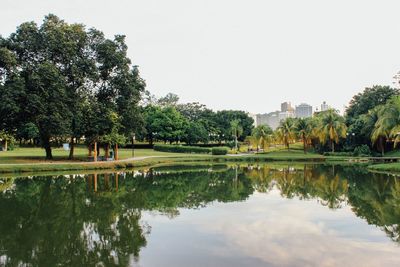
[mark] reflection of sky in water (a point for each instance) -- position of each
(267, 230)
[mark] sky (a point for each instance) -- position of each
(248, 55)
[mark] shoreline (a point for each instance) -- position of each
(142, 162)
(151, 161)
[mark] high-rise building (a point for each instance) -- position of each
(303, 111)
(324, 106)
(286, 106)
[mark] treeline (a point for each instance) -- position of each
(61, 82)
(169, 121)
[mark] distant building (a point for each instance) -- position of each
(324, 106)
(285, 114)
(303, 111)
(254, 117)
(271, 119)
(286, 106)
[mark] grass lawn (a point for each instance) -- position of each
(36, 155)
(385, 167)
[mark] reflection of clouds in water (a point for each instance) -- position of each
(299, 233)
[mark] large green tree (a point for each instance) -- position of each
(75, 73)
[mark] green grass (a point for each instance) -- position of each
(393, 153)
(37, 155)
(385, 167)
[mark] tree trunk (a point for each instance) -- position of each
(5, 145)
(304, 144)
(71, 148)
(90, 150)
(107, 150)
(95, 182)
(382, 146)
(47, 148)
(95, 152)
(116, 181)
(116, 151)
(333, 146)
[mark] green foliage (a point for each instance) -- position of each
(262, 135)
(285, 131)
(369, 99)
(362, 151)
(64, 80)
(219, 150)
(331, 127)
(164, 123)
(182, 149)
(195, 132)
(338, 154)
(223, 126)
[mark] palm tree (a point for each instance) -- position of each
(236, 130)
(387, 124)
(286, 131)
(262, 134)
(331, 128)
(303, 130)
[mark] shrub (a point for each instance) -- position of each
(182, 149)
(362, 151)
(339, 154)
(219, 150)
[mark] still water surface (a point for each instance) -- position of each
(267, 215)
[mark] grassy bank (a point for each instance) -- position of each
(31, 160)
(37, 155)
(385, 167)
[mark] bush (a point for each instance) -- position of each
(219, 150)
(182, 149)
(362, 151)
(338, 154)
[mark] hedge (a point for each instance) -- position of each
(182, 149)
(339, 154)
(219, 150)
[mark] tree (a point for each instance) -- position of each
(165, 124)
(28, 131)
(262, 134)
(285, 131)
(387, 123)
(236, 130)
(303, 129)
(170, 100)
(48, 104)
(93, 75)
(331, 127)
(368, 99)
(6, 139)
(222, 120)
(195, 132)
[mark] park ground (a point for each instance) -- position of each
(32, 159)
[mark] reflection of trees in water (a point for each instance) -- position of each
(57, 222)
(97, 220)
(303, 183)
(374, 197)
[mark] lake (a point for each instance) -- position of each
(203, 215)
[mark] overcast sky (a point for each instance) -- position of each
(249, 55)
